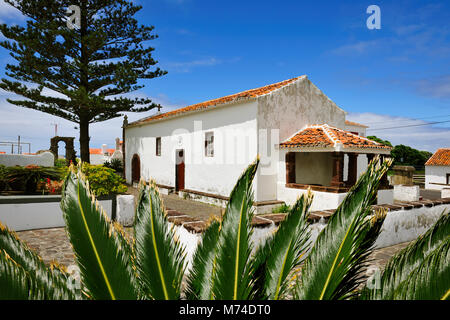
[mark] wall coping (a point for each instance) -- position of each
(265, 220)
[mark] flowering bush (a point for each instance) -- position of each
(102, 180)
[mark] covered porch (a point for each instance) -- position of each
(329, 161)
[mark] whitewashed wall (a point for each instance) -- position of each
(45, 159)
(235, 147)
(288, 110)
(436, 174)
(360, 130)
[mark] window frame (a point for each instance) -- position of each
(158, 150)
(209, 144)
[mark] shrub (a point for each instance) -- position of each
(284, 208)
(3, 177)
(102, 180)
(27, 178)
(115, 164)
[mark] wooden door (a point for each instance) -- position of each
(135, 169)
(179, 170)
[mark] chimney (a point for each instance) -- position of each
(117, 144)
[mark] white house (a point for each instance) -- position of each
(100, 155)
(299, 133)
(437, 170)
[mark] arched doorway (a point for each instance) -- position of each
(135, 169)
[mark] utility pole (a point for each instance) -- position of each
(56, 128)
(18, 146)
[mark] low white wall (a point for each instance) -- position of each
(406, 225)
(37, 215)
(406, 193)
(45, 159)
(445, 193)
(385, 196)
(398, 227)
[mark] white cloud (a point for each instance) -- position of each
(8, 12)
(422, 137)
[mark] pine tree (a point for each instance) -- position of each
(91, 61)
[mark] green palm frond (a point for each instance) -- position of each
(53, 285)
(430, 280)
(15, 282)
(159, 258)
(104, 266)
(339, 247)
(199, 281)
(232, 276)
(282, 252)
(405, 261)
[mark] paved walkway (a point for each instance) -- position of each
(196, 209)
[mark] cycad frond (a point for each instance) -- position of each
(431, 279)
(405, 261)
(281, 253)
(52, 285)
(343, 243)
(159, 258)
(232, 276)
(199, 281)
(15, 282)
(104, 266)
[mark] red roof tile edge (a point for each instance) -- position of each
(247, 94)
(330, 138)
(440, 158)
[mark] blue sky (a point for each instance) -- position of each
(396, 76)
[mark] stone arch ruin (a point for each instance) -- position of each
(70, 150)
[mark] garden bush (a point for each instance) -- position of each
(115, 164)
(27, 178)
(102, 180)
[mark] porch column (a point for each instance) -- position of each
(384, 182)
(352, 168)
(370, 156)
(290, 167)
(337, 180)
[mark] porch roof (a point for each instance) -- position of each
(326, 138)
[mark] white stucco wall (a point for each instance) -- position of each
(235, 147)
(313, 168)
(436, 174)
(361, 131)
(45, 159)
(281, 114)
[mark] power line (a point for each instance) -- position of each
(411, 119)
(412, 125)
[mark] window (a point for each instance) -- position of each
(209, 144)
(448, 178)
(158, 146)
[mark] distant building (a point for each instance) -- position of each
(100, 155)
(437, 170)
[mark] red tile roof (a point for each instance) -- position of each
(253, 93)
(440, 158)
(100, 151)
(326, 136)
(356, 124)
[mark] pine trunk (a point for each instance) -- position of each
(84, 141)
